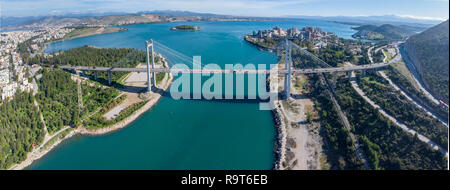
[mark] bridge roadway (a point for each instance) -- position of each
(242, 71)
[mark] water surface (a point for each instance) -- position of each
(184, 134)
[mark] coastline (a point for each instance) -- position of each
(100, 30)
(280, 126)
(41, 151)
(80, 36)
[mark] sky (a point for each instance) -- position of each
(425, 9)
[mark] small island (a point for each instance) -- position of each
(186, 27)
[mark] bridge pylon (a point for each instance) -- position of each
(287, 76)
(147, 46)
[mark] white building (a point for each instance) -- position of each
(4, 77)
(9, 90)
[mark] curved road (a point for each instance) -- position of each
(398, 123)
(398, 58)
(410, 99)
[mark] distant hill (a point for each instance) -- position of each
(91, 19)
(429, 53)
(383, 32)
(374, 20)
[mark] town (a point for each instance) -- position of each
(14, 73)
(314, 35)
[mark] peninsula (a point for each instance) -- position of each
(78, 32)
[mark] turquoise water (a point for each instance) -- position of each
(184, 134)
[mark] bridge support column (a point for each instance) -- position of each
(109, 77)
(287, 76)
(149, 87)
(364, 73)
(334, 79)
(349, 73)
(153, 66)
(95, 75)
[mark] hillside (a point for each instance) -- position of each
(429, 54)
(383, 32)
(121, 19)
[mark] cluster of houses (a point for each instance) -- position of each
(306, 33)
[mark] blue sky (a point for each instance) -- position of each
(408, 8)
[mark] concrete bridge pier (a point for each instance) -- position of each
(349, 73)
(95, 75)
(364, 73)
(109, 77)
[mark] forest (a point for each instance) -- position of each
(386, 146)
(58, 99)
(20, 129)
(340, 152)
(100, 57)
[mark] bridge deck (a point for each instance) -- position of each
(265, 71)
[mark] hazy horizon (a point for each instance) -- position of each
(415, 9)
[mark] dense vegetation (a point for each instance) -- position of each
(402, 82)
(20, 129)
(396, 105)
(429, 53)
(94, 97)
(91, 56)
(58, 99)
(377, 56)
(386, 146)
(338, 144)
(383, 32)
(265, 43)
(335, 55)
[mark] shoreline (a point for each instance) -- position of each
(100, 30)
(280, 128)
(80, 36)
(40, 152)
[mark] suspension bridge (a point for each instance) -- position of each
(175, 57)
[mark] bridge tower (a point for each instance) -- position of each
(287, 76)
(148, 45)
(153, 65)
